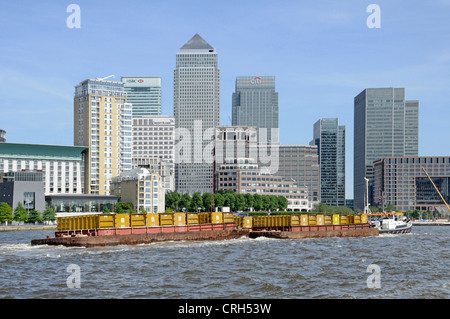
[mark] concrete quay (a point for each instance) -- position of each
(27, 227)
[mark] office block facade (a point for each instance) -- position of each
(103, 122)
(144, 93)
(26, 188)
(63, 167)
(385, 125)
(402, 182)
(196, 108)
(329, 137)
(255, 103)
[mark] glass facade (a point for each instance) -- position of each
(81, 203)
(255, 103)
(329, 137)
(384, 125)
(144, 93)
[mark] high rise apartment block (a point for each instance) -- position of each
(329, 137)
(196, 108)
(385, 125)
(103, 122)
(255, 103)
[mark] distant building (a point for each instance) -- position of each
(385, 125)
(154, 146)
(144, 93)
(196, 108)
(255, 103)
(81, 203)
(62, 167)
(401, 181)
(2, 136)
(329, 137)
(24, 187)
(243, 176)
(103, 122)
(140, 188)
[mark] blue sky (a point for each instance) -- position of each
(321, 52)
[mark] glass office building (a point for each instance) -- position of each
(255, 103)
(385, 125)
(329, 137)
(144, 93)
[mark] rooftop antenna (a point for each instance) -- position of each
(106, 77)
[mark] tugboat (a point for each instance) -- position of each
(390, 223)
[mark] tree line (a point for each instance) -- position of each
(237, 202)
(20, 214)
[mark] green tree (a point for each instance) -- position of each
(282, 202)
(196, 202)
(173, 200)
(118, 209)
(20, 213)
(206, 197)
(249, 201)
(34, 216)
(6, 214)
(240, 202)
(105, 210)
(218, 199)
(49, 214)
(230, 201)
(185, 201)
(257, 202)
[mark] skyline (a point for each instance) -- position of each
(322, 56)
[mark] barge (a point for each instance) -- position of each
(131, 229)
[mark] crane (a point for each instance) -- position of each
(437, 190)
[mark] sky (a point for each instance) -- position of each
(322, 54)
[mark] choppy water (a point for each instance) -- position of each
(412, 265)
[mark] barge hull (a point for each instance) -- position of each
(318, 233)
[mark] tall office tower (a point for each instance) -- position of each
(329, 137)
(196, 108)
(144, 93)
(2, 136)
(102, 121)
(153, 147)
(255, 103)
(385, 125)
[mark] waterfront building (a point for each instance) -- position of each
(144, 93)
(402, 182)
(24, 187)
(300, 163)
(81, 203)
(385, 125)
(2, 136)
(103, 122)
(243, 176)
(329, 137)
(62, 167)
(255, 103)
(196, 108)
(140, 188)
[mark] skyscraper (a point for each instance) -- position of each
(196, 108)
(385, 125)
(102, 121)
(255, 103)
(329, 137)
(144, 93)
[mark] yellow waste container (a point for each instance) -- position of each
(179, 219)
(152, 219)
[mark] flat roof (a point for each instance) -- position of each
(41, 151)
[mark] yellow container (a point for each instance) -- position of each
(320, 220)
(166, 219)
(238, 220)
(350, 219)
(357, 219)
(228, 217)
(344, 220)
(179, 219)
(336, 219)
(364, 218)
(204, 218)
(105, 221)
(137, 220)
(152, 219)
(294, 220)
(121, 220)
(192, 219)
(216, 218)
(247, 222)
(62, 223)
(312, 220)
(304, 220)
(328, 220)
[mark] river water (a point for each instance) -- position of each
(414, 265)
